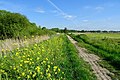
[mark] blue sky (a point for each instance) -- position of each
(73, 14)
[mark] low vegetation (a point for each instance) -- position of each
(54, 59)
(106, 47)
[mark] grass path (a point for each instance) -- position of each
(100, 72)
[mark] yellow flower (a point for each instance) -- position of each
(48, 66)
(55, 67)
(37, 68)
(17, 53)
(59, 69)
(20, 64)
(23, 74)
(30, 72)
(47, 70)
(24, 36)
(19, 77)
(2, 71)
(32, 36)
(10, 66)
(30, 63)
(51, 63)
(17, 48)
(48, 75)
(55, 72)
(2, 50)
(26, 61)
(17, 70)
(14, 68)
(34, 75)
(21, 60)
(38, 52)
(30, 59)
(23, 56)
(35, 44)
(38, 58)
(43, 50)
(46, 59)
(41, 73)
(5, 56)
(28, 76)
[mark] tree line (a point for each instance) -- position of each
(15, 25)
(65, 30)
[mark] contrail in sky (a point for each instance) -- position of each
(62, 12)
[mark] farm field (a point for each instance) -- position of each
(105, 45)
(104, 35)
(53, 59)
(43, 40)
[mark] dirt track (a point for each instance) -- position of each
(100, 72)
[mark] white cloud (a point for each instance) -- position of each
(87, 7)
(39, 10)
(69, 17)
(54, 11)
(99, 8)
(85, 20)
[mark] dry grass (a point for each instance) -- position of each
(10, 44)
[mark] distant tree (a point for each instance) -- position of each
(82, 31)
(55, 29)
(65, 30)
(105, 31)
(39, 27)
(44, 28)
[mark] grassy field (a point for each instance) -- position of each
(107, 46)
(54, 59)
(104, 35)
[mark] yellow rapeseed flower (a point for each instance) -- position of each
(35, 44)
(59, 69)
(28, 76)
(38, 58)
(48, 75)
(26, 61)
(32, 36)
(14, 68)
(38, 52)
(47, 70)
(46, 59)
(20, 64)
(19, 77)
(17, 53)
(55, 72)
(2, 50)
(34, 75)
(48, 66)
(44, 62)
(23, 74)
(41, 73)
